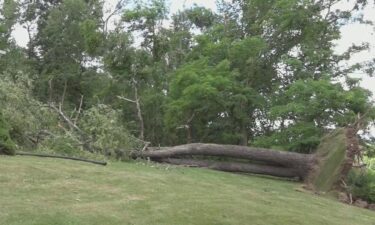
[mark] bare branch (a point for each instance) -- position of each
(146, 146)
(139, 113)
(139, 110)
(66, 119)
(117, 9)
(63, 95)
(191, 118)
(79, 111)
(50, 90)
(126, 99)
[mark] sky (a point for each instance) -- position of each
(353, 33)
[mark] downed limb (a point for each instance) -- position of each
(61, 157)
(85, 140)
(66, 118)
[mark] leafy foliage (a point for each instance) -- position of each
(362, 184)
(260, 73)
(8, 12)
(7, 146)
(66, 39)
(370, 163)
(24, 114)
(308, 107)
(103, 125)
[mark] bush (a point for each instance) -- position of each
(7, 146)
(362, 184)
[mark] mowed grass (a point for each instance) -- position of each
(53, 192)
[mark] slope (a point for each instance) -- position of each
(36, 191)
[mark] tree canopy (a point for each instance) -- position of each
(254, 72)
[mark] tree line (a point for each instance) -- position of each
(253, 72)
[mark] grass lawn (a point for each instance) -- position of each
(52, 192)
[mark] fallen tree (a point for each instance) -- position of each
(322, 170)
(297, 164)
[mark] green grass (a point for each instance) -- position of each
(52, 192)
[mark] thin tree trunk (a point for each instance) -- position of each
(139, 110)
(244, 138)
(189, 129)
(139, 113)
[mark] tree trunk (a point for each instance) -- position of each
(139, 114)
(264, 161)
(286, 159)
(244, 136)
(235, 167)
(321, 171)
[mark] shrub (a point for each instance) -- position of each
(362, 184)
(7, 146)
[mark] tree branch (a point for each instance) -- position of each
(79, 110)
(126, 99)
(65, 118)
(118, 7)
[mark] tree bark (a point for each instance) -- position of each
(321, 171)
(235, 167)
(286, 159)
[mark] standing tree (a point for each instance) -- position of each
(67, 40)
(282, 66)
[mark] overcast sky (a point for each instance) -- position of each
(353, 33)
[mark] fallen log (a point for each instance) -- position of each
(235, 167)
(282, 158)
(61, 157)
(321, 171)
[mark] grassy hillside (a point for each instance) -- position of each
(53, 192)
